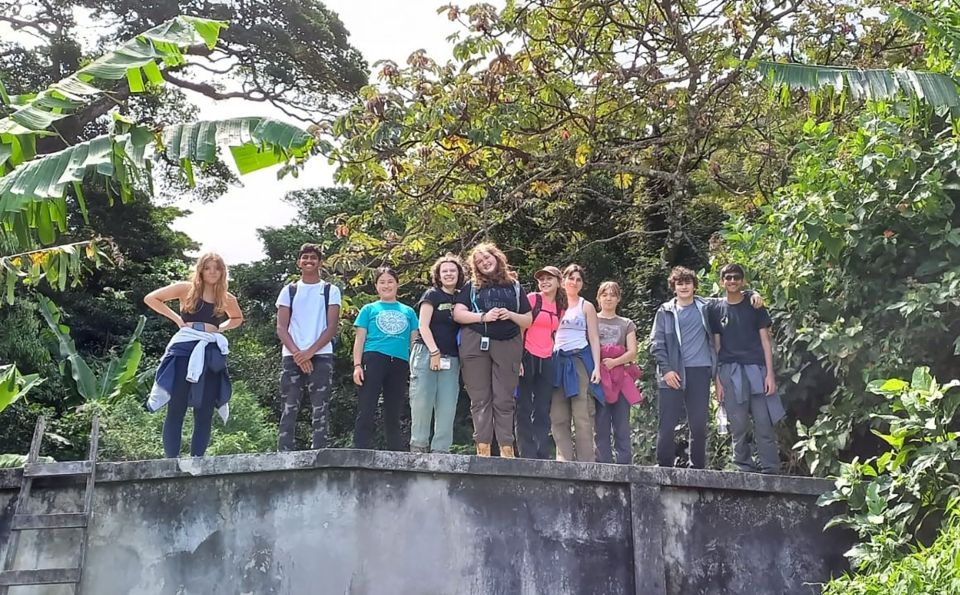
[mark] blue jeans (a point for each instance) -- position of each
(433, 395)
(616, 416)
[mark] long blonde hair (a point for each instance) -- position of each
(195, 294)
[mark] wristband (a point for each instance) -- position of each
(357, 365)
(433, 353)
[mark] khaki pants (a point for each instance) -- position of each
(581, 409)
(491, 378)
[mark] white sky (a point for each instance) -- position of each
(380, 29)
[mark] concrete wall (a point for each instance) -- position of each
(358, 522)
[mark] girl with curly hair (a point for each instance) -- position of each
(495, 312)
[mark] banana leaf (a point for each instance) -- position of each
(936, 89)
(14, 385)
(135, 58)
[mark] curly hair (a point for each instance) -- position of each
(195, 293)
(679, 274)
(435, 270)
(501, 275)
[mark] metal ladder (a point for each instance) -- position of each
(42, 522)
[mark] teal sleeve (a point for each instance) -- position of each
(363, 319)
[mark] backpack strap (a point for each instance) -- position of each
(537, 306)
(292, 292)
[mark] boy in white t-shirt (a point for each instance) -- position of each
(308, 312)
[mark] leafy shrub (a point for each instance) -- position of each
(926, 571)
(129, 432)
(857, 255)
(902, 494)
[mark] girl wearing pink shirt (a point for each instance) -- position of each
(537, 373)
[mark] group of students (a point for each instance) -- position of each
(527, 361)
(536, 366)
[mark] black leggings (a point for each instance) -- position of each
(177, 409)
(389, 375)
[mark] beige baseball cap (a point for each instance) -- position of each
(549, 270)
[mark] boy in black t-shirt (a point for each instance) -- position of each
(745, 381)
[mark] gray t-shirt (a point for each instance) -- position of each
(614, 331)
(694, 347)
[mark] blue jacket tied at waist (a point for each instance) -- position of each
(206, 352)
(565, 372)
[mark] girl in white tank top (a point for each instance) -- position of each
(578, 331)
(572, 334)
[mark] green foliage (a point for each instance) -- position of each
(133, 60)
(120, 374)
(13, 385)
(34, 189)
(857, 256)
(890, 497)
(938, 32)
(933, 570)
(129, 432)
(294, 54)
(8, 461)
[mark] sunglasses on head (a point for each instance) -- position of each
(732, 277)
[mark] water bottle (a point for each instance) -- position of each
(722, 426)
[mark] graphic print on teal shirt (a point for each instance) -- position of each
(389, 326)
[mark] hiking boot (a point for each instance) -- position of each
(506, 452)
(483, 449)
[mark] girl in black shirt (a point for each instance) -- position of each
(495, 311)
(435, 360)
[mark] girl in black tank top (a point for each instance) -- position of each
(204, 313)
(209, 278)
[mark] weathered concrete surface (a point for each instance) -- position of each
(345, 521)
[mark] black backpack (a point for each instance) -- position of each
(292, 292)
(538, 307)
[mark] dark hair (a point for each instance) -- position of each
(308, 248)
(682, 274)
(435, 270)
(573, 268)
(732, 269)
(385, 270)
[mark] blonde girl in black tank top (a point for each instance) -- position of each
(205, 305)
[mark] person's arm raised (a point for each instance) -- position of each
(156, 300)
(234, 314)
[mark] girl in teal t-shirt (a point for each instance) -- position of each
(385, 330)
